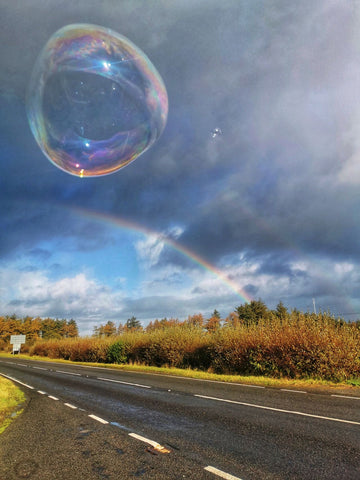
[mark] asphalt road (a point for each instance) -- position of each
(94, 423)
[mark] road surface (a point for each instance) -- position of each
(90, 422)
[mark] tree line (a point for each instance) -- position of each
(35, 328)
(247, 314)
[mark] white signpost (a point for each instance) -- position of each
(16, 341)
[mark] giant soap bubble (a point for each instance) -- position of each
(95, 102)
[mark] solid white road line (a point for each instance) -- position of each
(195, 379)
(293, 412)
(220, 473)
(346, 396)
(125, 383)
(52, 398)
(98, 419)
(145, 440)
(40, 368)
(68, 373)
(70, 406)
(17, 381)
(41, 392)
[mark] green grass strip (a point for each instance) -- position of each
(10, 398)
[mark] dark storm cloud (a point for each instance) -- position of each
(278, 265)
(306, 221)
(251, 290)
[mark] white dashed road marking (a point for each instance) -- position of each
(346, 396)
(68, 373)
(98, 419)
(70, 406)
(40, 368)
(52, 398)
(292, 391)
(41, 392)
(125, 383)
(220, 473)
(145, 440)
(159, 448)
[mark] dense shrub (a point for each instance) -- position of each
(77, 349)
(116, 352)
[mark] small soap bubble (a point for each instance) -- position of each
(95, 102)
(216, 132)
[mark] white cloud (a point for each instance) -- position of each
(79, 297)
(343, 268)
(150, 248)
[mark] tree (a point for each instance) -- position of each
(121, 329)
(71, 329)
(212, 324)
(106, 330)
(150, 326)
(133, 324)
(232, 320)
(216, 314)
(281, 311)
(195, 320)
(109, 329)
(96, 331)
(50, 329)
(60, 327)
(251, 313)
(31, 327)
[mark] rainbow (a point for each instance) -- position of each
(131, 226)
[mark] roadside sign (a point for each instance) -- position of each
(15, 339)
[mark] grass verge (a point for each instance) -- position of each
(10, 397)
(310, 383)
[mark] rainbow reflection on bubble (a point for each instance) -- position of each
(95, 102)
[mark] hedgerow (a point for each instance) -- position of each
(299, 346)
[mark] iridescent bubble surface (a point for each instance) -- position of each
(95, 102)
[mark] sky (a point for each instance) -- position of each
(267, 208)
